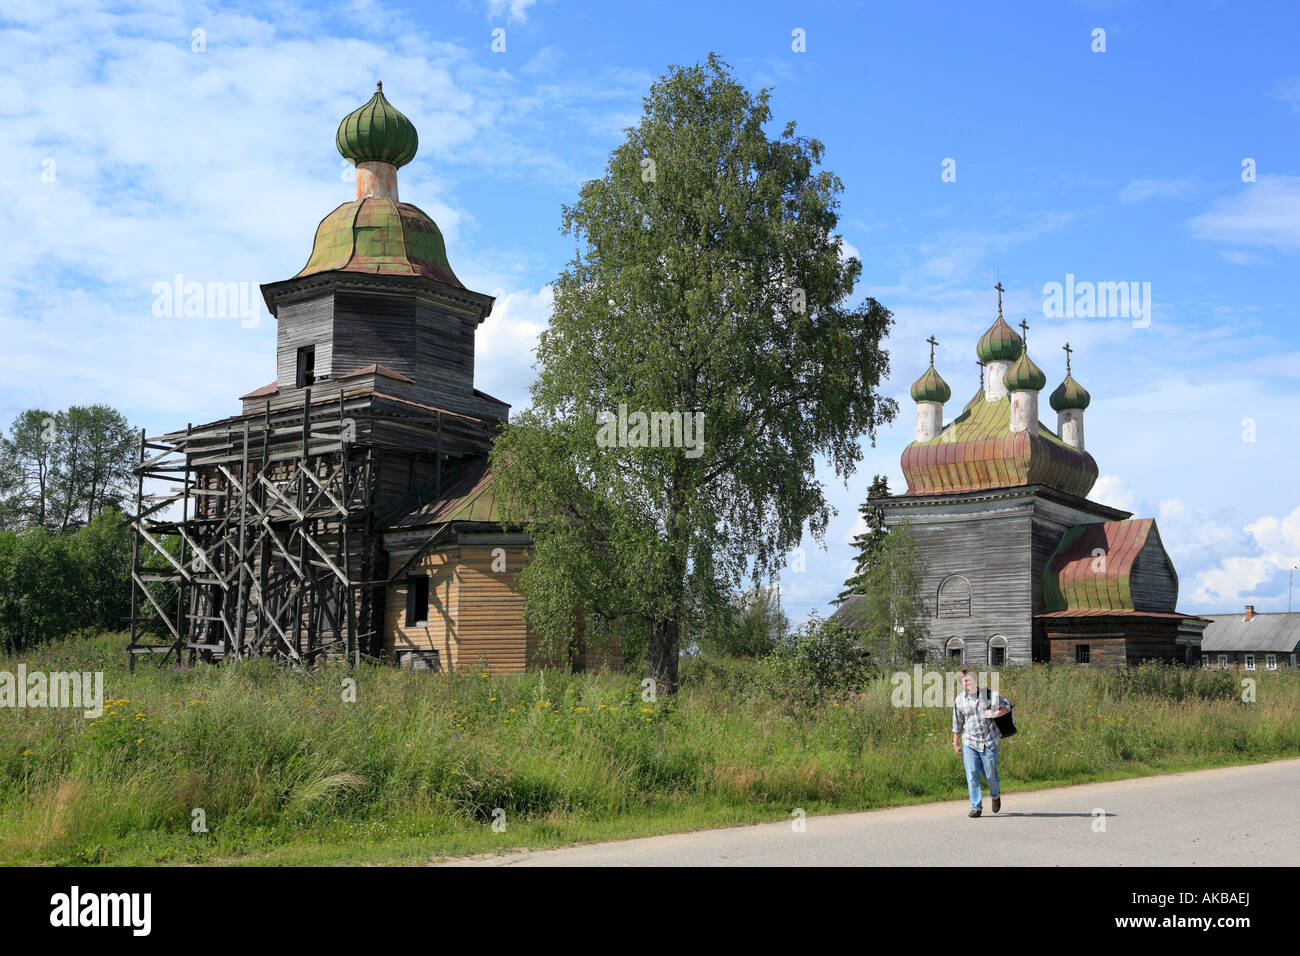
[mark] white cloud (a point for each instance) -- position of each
(219, 164)
(1265, 212)
(1139, 190)
(505, 343)
(1288, 91)
(1242, 578)
(1113, 491)
(518, 9)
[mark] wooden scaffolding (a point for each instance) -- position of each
(269, 553)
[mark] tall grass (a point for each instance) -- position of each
(282, 767)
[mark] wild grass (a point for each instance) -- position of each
(279, 766)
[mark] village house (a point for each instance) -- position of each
(1251, 641)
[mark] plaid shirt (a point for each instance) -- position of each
(977, 731)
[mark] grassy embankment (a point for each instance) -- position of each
(286, 772)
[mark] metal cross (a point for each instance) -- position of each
(1000, 291)
(933, 343)
(1068, 350)
(981, 365)
(1024, 336)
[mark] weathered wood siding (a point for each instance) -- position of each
(1152, 580)
(445, 346)
(1103, 651)
(992, 553)
(375, 328)
(1047, 536)
(304, 323)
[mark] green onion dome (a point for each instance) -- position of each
(377, 133)
(1069, 394)
(931, 388)
(1024, 375)
(999, 344)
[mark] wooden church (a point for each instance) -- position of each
(1021, 565)
(348, 510)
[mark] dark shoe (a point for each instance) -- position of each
(974, 813)
(997, 804)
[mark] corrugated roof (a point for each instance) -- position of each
(1264, 632)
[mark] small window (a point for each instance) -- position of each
(1270, 662)
(1223, 660)
(997, 650)
(956, 649)
(306, 366)
(417, 600)
(1082, 653)
(1250, 662)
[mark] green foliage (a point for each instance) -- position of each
(286, 771)
(871, 542)
(58, 471)
(1170, 682)
(707, 281)
(751, 625)
(52, 584)
(819, 658)
(892, 620)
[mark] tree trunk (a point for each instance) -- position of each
(664, 635)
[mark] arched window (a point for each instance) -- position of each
(956, 650)
(954, 597)
(997, 650)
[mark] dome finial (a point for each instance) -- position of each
(1024, 334)
(930, 387)
(1068, 350)
(379, 86)
(1000, 291)
(376, 132)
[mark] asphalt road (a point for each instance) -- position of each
(1236, 816)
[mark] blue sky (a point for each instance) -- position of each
(131, 157)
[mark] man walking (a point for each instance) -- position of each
(975, 738)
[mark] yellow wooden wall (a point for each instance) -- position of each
(440, 630)
(476, 613)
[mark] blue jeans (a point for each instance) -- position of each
(975, 761)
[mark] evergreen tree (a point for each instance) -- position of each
(871, 543)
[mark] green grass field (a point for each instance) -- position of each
(286, 772)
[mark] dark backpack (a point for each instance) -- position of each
(1007, 722)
